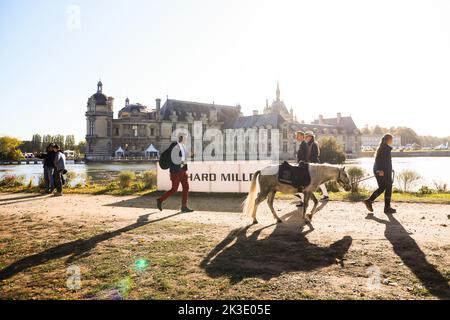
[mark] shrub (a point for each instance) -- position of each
(355, 174)
(331, 151)
(9, 148)
(112, 186)
(332, 186)
(149, 179)
(11, 180)
(355, 196)
(407, 178)
(440, 186)
(396, 190)
(425, 190)
(70, 177)
(126, 178)
(138, 186)
(88, 181)
(41, 181)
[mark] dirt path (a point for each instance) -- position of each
(408, 251)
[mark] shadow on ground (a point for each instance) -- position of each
(198, 202)
(74, 249)
(22, 198)
(413, 257)
(241, 255)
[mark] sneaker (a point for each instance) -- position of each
(389, 211)
(186, 210)
(325, 198)
(368, 204)
(300, 204)
(159, 204)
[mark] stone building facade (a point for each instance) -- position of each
(138, 126)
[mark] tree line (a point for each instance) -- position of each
(13, 149)
(408, 135)
(39, 143)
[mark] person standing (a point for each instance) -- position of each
(303, 146)
(60, 169)
(178, 174)
(301, 155)
(49, 167)
(383, 173)
(313, 156)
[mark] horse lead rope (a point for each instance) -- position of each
(393, 178)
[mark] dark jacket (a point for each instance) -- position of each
(383, 160)
(302, 151)
(49, 158)
(313, 152)
(166, 161)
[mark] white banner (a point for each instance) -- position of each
(226, 177)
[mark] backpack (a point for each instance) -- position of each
(165, 160)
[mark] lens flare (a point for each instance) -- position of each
(141, 265)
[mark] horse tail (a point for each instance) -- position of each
(249, 203)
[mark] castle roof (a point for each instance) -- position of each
(134, 108)
(343, 123)
(182, 108)
(260, 120)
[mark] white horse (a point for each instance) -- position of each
(269, 185)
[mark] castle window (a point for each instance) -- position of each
(109, 128)
(91, 127)
(152, 131)
(116, 131)
(174, 126)
(285, 134)
(285, 146)
(135, 130)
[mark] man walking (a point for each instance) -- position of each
(312, 156)
(178, 174)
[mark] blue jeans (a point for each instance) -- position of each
(48, 178)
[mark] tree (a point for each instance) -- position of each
(36, 143)
(355, 174)
(331, 151)
(46, 140)
(378, 130)
(26, 147)
(70, 142)
(409, 136)
(81, 147)
(365, 130)
(59, 140)
(9, 148)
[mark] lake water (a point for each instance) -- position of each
(97, 172)
(431, 169)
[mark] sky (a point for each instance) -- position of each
(382, 62)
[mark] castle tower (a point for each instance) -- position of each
(278, 106)
(99, 117)
(278, 92)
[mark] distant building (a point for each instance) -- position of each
(138, 126)
(373, 140)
